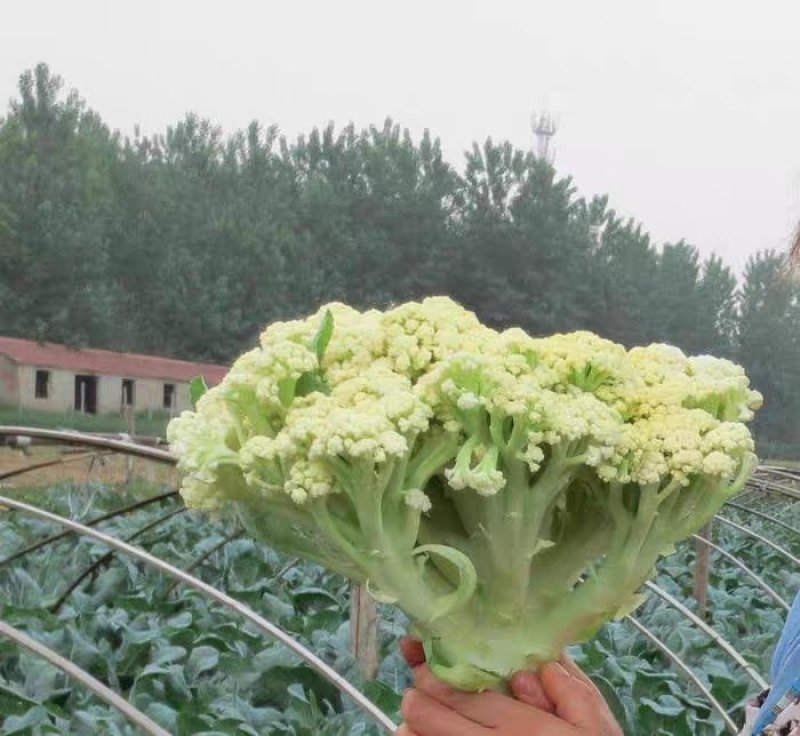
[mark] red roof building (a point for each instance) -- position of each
(55, 377)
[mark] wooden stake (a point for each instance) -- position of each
(702, 570)
(364, 630)
(130, 416)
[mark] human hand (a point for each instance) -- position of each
(559, 700)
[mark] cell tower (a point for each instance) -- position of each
(544, 127)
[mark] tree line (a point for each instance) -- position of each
(187, 243)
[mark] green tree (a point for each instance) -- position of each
(626, 273)
(371, 208)
(717, 329)
(769, 349)
(523, 247)
(55, 159)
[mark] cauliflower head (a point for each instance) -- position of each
(509, 493)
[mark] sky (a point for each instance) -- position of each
(685, 112)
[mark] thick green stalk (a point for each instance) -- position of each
(430, 459)
(519, 551)
(643, 520)
(335, 532)
(510, 527)
(593, 601)
(556, 570)
(388, 527)
(538, 498)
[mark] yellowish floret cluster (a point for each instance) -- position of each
(641, 416)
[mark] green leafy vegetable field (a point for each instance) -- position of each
(196, 669)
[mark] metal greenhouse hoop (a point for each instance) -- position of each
(719, 640)
(760, 538)
(771, 592)
(764, 517)
(134, 715)
(261, 623)
(686, 670)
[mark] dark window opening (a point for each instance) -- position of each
(128, 398)
(169, 395)
(42, 390)
(86, 394)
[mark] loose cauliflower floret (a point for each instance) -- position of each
(201, 439)
(585, 361)
(721, 388)
(677, 444)
(357, 343)
(271, 373)
(418, 335)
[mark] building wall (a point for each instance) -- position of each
(9, 382)
(60, 394)
(148, 393)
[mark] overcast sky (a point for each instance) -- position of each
(687, 112)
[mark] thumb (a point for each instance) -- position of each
(573, 700)
(527, 688)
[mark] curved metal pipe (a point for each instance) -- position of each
(723, 643)
(89, 440)
(366, 705)
(779, 471)
(134, 715)
(200, 560)
(771, 486)
(745, 569)
(748, 532)
(93, 522)
(683, 667)
(766, 517)
(108, 556)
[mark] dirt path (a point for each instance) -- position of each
(77, 467)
